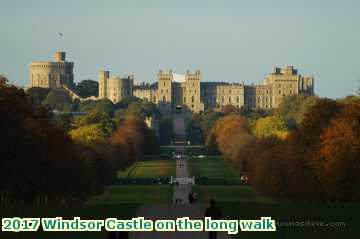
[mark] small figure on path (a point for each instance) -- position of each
(191, 197)
(214, 213)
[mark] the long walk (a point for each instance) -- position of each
(180, 206)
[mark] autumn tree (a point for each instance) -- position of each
(229, 109)
(338, 159)
(130, 141)
(39, 163)
(270, 126)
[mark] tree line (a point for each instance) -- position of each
(44, 163)
(308, 149)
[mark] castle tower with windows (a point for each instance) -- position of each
(187, 92)
(52, 74)
(115, 88)
(192, 92)
(164, 91)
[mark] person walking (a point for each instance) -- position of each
(214, 213)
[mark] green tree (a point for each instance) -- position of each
(194, 130)
(166, 130)
(58, 99)
(38, 94)
(142, 109)
(87, 88)
(104, 105)
(65, 121)
(91, 135)
(294, 108)
(106, 124)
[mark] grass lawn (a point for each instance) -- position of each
(241, 202)
(149, 169)
(94, 211)
(227, 193)
(135, 194)
(211, 167)
(117, 201)
(189, 150)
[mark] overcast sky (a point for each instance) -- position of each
(235, 41)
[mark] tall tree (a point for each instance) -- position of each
(87, 88)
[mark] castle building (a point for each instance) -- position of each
(174, 92)
(286, 82)
(52, 74)
(115, 88)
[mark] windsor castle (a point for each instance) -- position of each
(174, 92)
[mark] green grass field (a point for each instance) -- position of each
(97, 211)
(131, 194)
(116, 201)
(241, 202)
(189, 150)
(149, 169)
(211, 167)
(228, 193)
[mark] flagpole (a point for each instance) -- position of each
(60, 36)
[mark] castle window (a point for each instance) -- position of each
(164, 83)
(222, 99)
(184, 99)
(279, 92)
(192, 99)
(290, 91)
(164, 98)
(237, 99)
(229, 99)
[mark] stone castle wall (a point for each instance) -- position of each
(115, 88)
(47, 74)
(197, 96)
(173, 91)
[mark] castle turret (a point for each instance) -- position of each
(52, 74)
(103, 83)
(192, 91)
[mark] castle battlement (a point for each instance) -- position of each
(52, 74)
(174, 91)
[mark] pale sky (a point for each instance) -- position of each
(234, 41)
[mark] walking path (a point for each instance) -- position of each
(175, 210)
(181, 190)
